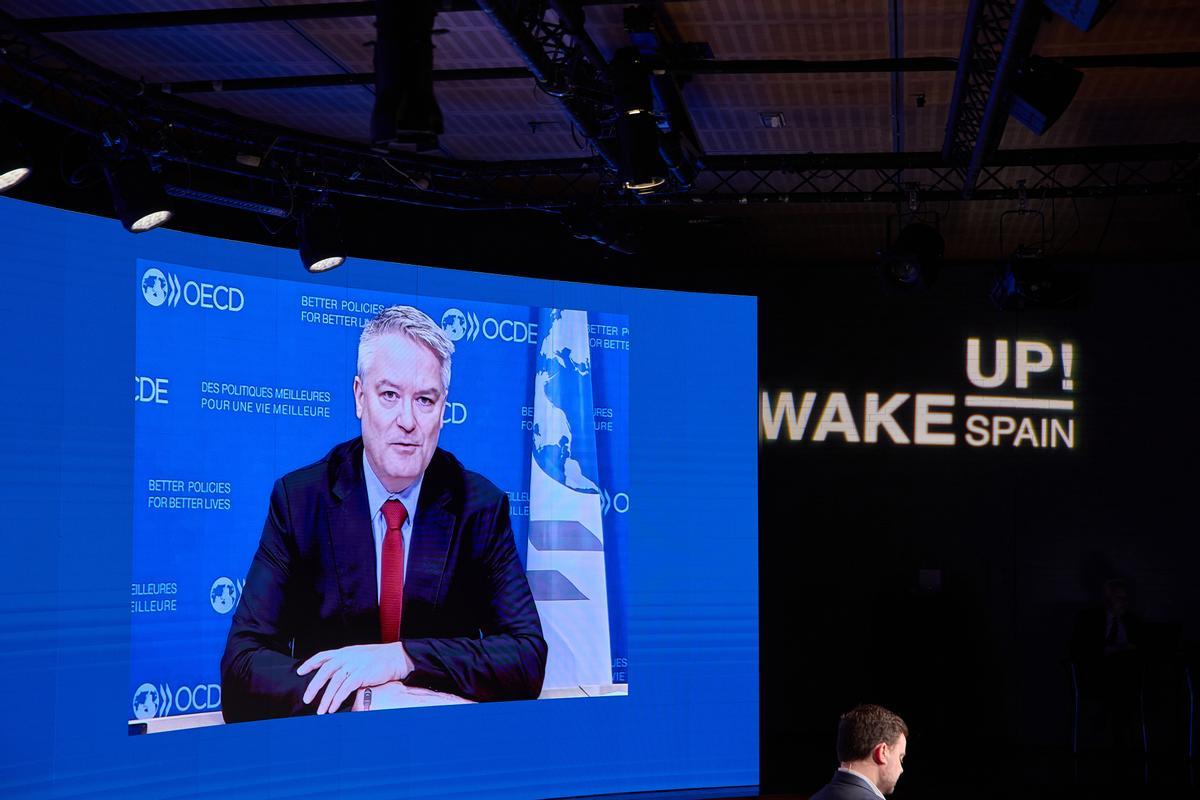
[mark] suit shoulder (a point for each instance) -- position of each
(322, 473)
(844, 787)
(470, 488)
(842, 791)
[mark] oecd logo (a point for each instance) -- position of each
(458, 324)
(454, 414)
(618, 502)
(147, 701)
(151, 390)
(157, 288)
(165, 289)
(224, 594)
(150, 701)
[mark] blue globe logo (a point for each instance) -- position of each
(223, 595)
(154, 286)
(146, 701)
(454, 323)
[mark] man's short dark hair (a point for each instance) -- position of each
(861, 729)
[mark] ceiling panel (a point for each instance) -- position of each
(504, 120)
(264, 49)
(823, 112)
(925, 127)
(1145, 26)
(462, 40)
(764, 28)
(343, 112)
(933, 28)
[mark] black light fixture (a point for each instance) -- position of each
(1042, 90)
(320, 237)
(137, 193)
(406, 110)
(1028, 279)
(641, 166)
(913, 261)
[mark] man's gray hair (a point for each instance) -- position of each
(415, 324)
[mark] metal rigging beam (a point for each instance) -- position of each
(996, 33)
(1134, 170)
(191, 139)
(550, 37)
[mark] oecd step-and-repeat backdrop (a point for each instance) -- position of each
(241, 379)
(155, 386)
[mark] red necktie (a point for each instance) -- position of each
(391, 575)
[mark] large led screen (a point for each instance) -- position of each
(187, 418)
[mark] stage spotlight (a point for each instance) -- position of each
(1028, 280)
(914, 260)
(320, 237)
(1083, 14)
(1042, 90)
(641, 165)
(15, 165)
(137, 194)
(406, 110)
(642, 168)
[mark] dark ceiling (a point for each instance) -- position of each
(864, 89)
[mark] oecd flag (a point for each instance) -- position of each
(566, 534)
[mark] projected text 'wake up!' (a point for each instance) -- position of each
(1022, 396)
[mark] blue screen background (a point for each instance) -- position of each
(691, 718)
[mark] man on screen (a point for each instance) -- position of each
(871, 744)
(385, 565)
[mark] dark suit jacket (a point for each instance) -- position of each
(845, 786)
(469, 623)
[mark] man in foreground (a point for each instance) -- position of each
(385, 568)
(871, 744)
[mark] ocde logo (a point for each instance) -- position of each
(454, 414)
(155, 287)
(150, 701)
(147, 700)
(618, 502)
(151, 390)
(201, 697)
(159, 288)
(225, 593)
(458, 324)
(510, 330)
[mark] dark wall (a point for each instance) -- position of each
(1023, 539)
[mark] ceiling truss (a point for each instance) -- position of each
(203, 150)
